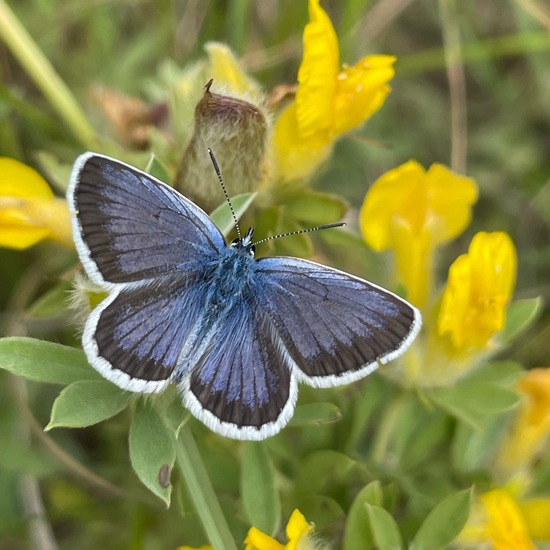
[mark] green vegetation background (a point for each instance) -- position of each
(122, 44)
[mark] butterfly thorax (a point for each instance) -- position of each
(231, 274)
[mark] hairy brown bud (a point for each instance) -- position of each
(237, 133)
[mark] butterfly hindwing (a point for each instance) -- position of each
(245, 387)
(135, 336)
(337, 328)
(129, 226)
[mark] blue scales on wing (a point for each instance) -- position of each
(336, 327)
(131, 226)
(135, 336)
(244, 388)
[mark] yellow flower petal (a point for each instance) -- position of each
(537, 514)
(257, 540)
(229, 74)
(480, 285)
(361, 91)
(296, 158)
(530, 429)
(328, 102)
(297, 530)
(506, 527)
(317, 74)
(19, 180)
(29, 212)
(411, 211)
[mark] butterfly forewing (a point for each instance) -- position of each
(131, 227)
(336, 327)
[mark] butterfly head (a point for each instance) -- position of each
(245, 245)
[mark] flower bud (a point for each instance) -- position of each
(236, 131)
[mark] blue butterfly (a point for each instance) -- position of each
(234, 333)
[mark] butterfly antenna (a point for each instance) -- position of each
(317, 228)
(218, 171)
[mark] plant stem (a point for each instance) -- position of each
(18, 40)
(198, 484)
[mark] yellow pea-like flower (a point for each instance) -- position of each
(411, 211)
(297, 532)
(329, 101)
(29, 211)
(478, 291)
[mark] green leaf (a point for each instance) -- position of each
(472, 449)
(176, 415)
(152, 450)
(222, 214)
(502, 373)
(469, 401)
(315, 208)
(87, 402)
(443, 523)
(325, 468)
(384, 528)
(520, 315)
(157, 169)
(315, 414)
(51, 303)
(357, 533)
(43, 361)
(259, 493)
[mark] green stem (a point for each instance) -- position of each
(198, 484)
(18, 40)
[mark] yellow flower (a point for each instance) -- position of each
(329, 101)
(411, 211)
(531, 426)
(479, 288)
(505, 525)
(506, 522)
(29, 212)
(536, 513)
(297, 532)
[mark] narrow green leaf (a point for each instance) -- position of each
(315, 208)
(152, 450)
(443, 523)
(519, 316)
(157, 169)
(323, 468)
(45, 361)
(468, 401)
(315, 414)
(357, 533)
(222, 214)
(87, 402)
(384, 528)
(502, 373)
(259, 493)
(472, 449)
